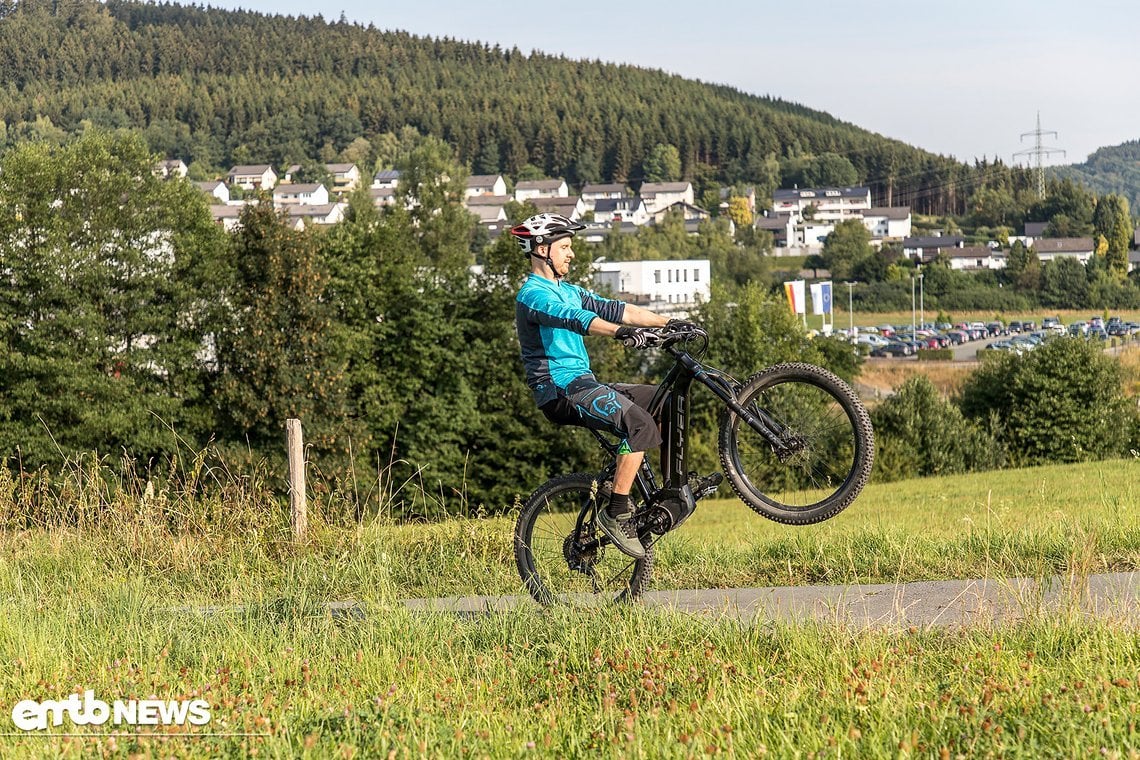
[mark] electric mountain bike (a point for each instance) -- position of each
(795, 443)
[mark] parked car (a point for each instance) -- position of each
(872, 340)
(958, 337)
(1097, 333)
(994, 329)
(1079, 329)
(999, 345)
(893, 348)
(1015, 326)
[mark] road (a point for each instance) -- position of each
(924, 604)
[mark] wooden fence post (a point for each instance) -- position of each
(295, 443)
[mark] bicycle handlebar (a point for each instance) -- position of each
(667, 338)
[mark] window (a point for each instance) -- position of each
(686, 275)
(696, 275)
(657, 276)
(670, 275)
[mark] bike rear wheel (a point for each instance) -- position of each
(563, 556)
(827, 452)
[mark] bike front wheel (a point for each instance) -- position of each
(818, 455)
(563, 556)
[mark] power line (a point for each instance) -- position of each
(1039, 152)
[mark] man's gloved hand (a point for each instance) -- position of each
(681, 325)
(637, 337)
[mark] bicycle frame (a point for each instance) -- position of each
(670, 406)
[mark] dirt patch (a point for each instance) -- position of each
(879, 378)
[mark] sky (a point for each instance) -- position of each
(965, 78)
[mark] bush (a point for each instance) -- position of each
(919, 433)
(935, 354)
(1062, 402)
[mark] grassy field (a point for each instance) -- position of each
(106, 609)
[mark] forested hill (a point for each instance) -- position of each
(1115, 169)
(222, 87)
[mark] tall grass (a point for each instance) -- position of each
(191, 587)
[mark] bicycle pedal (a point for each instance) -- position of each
(707, 485)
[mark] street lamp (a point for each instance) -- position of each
(913, 330)
(921, 302)
(850, 313)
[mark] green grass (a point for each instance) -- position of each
(608, 682)
(104, 607)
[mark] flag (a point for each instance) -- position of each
(795, 293)
(821, 298)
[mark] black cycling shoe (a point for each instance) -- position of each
(622, 532)
(705, 486)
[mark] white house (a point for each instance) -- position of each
(345, 177)
(687, 211)
(926, 248)
(541, 188)
(781, 226)
(226, 215)
(303, 194)
(252, 177)
(571, 208)
(382, 196)
(1082, 249)
(598, 192)
(658, 195)
(486, 184)
(811, 234)
(833, 204)
(326, 213)
(216, 189)
(657, 285)
(174, 167)
(388, 178)
(888, 221)
(630, 209)
(976, 257)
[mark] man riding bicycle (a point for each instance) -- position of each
(552, 316)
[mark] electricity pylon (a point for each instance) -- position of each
(1039, 152)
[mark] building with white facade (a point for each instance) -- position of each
(976, 257)
(664, 286)
(1081, 249)
(893, 222)
(388, 178)
(830, 204)
(303, 194)
(345, 177)
(541, 188)
(252, 177)
(485, 184)
(216, 189)
(658, 195)
(629, 209)
(595, 192)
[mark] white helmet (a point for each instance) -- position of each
(541, 229)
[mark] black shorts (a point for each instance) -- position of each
(617, 408)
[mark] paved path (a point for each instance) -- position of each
(922, 604)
